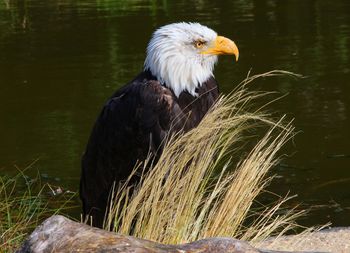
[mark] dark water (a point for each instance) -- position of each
(60, 60)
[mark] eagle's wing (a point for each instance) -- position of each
(132, 123)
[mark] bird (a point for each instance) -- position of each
(173, 92)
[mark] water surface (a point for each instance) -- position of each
(60, 61)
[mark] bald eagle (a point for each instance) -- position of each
(172, 93)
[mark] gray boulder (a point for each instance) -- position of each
(59, 234)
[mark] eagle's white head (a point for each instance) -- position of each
(182, 55)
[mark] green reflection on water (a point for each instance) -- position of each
(60, 61)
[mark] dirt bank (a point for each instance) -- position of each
(329, 240)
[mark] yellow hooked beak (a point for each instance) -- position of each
(223, 45)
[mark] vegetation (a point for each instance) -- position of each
(24, 203)
(202, 186)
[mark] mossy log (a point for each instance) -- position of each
(59, 234)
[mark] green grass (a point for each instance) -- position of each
(24, 204)
(204, 185)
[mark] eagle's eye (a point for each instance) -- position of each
(199, 43)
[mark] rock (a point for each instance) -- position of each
(59, 234)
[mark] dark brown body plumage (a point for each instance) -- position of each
(134, 121)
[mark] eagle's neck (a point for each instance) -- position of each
(179, 73)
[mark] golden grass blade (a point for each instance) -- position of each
(197, 189)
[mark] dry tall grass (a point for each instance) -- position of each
(197, 189)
